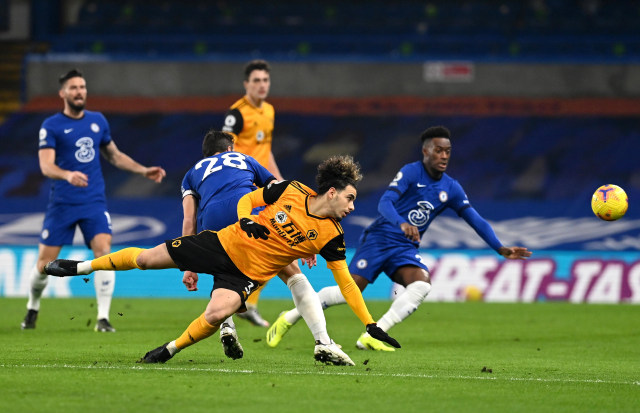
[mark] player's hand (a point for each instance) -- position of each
(77, 178)
(253, 229)
(410, 231)
(190, 280)
(155, 173)
(379, 334)
(515, 253)
(311, 261)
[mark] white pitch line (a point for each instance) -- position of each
(325, 372)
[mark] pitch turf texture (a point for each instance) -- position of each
(476, 357)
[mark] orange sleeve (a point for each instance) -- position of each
(350, 291)
(249, 201)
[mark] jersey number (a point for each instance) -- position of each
(234, 160)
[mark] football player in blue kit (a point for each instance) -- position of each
(211, 190)
(69, 145)
(417, 195)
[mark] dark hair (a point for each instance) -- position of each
(70, 74)
(215, 141)
(435, 132)
(337, 172)
(257, 64)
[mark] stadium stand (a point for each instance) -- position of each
(487, 29)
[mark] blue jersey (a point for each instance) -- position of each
(218, 182)
(77, 143)
(415, 197)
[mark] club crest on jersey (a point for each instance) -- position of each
(95, 128)
(312, 234)
(260, 136)
(419, 217)
(281, 217)
(443, 196)
(176, 243)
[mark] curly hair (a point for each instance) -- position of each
(435, 132)
(337, 172)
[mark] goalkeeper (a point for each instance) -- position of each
(296, 223)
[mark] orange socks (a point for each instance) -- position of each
(199, 329)
(121, 260)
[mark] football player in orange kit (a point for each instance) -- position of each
(296, 223)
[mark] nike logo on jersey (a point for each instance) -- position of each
(421, 185)
(68, 130)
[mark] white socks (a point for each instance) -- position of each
(229, 321)
(308, 306)
(405, 304)
(104, 282)
(402, 307)
(328, 296)
(331, 296)
(38, 283)
(173, 349)
(84, 268)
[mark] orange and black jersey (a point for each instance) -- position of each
(294, 233)
(252, 128)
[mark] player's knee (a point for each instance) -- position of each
(420, 288)
(143, 260)
(296, 279)
(215, 317)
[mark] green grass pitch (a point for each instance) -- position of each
(456, 357)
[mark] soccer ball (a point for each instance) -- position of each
(472, 293)
(609, 202)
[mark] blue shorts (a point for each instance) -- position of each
(378, 253)
(60, 223)
(221, 214)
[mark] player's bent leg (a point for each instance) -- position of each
(123, 260)
(417, 285)
(308, 305)
(223, 303)
(405, 304)
(252, 314)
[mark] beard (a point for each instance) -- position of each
(76, 107)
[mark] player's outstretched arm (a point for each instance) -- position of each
(155, 173)
(515, 253)
(123, 161)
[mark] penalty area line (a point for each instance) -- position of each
(323, 372)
